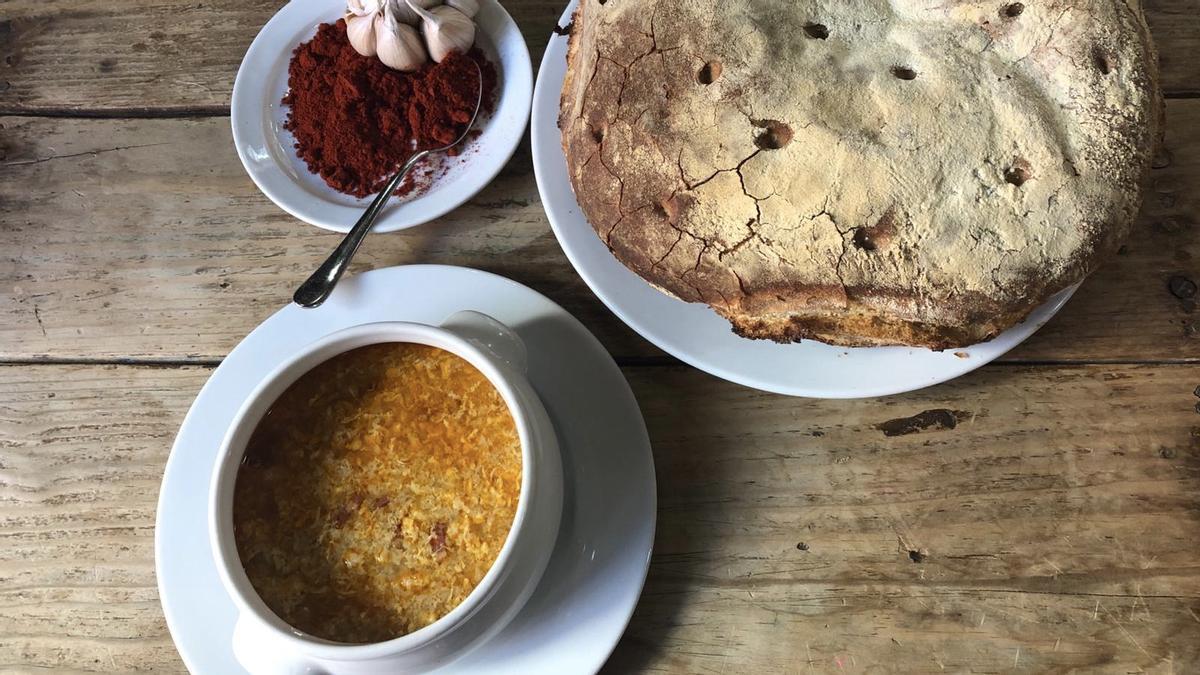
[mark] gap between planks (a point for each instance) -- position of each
(623, 362)
(117, 113)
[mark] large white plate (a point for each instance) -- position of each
(595, 575)
(695, 333)
(265, 147)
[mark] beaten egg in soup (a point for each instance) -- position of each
(376, 492)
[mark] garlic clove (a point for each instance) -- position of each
(405, 14)
(361, 32)
(399, 44)
(468, 7)
(363, 7)
(446, 30)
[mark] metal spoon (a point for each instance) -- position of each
(317, 287)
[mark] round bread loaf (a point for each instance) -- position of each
(861, 172)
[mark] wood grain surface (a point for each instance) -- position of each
(166, 57)
(151, 240)
(1039, 515)
(1054, 526)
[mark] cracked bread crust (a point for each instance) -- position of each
(866, 172)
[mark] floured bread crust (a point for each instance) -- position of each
(861, 172)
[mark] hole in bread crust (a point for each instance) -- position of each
(1017, 174)
(904, 72)
(862, 239)
(709, 72)
(669, 208)
(774, 136)
(1013, 10)
(816, 31)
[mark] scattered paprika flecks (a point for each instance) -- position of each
(355, 120)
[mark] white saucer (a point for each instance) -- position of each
(595, 575)
(265, 147)
(694, 333)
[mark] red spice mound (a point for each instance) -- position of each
(355, 120)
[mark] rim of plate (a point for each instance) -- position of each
(265, 151)
(697, 335)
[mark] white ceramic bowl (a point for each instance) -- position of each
(266, 151)
(264, 643)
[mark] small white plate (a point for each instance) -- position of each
(696, 334)
(265, 147)
(595, 575)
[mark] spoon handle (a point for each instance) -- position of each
(317, 287)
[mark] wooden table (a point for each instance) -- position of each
(1055, 527)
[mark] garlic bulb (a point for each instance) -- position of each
(363, 7)
(446, 30)
(468, 7)
(361, 30)
(398, 44)
(404, 13)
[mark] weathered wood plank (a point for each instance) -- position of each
(145, 239)
(135, 56)
(151, 57)
(1062, 506)
(1054, 527)
(1175, 27)
(81, 458)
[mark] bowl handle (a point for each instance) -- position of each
(491, 336)
(261, 653)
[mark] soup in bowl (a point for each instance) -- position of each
(386, 499)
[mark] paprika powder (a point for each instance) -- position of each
(355, 120)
